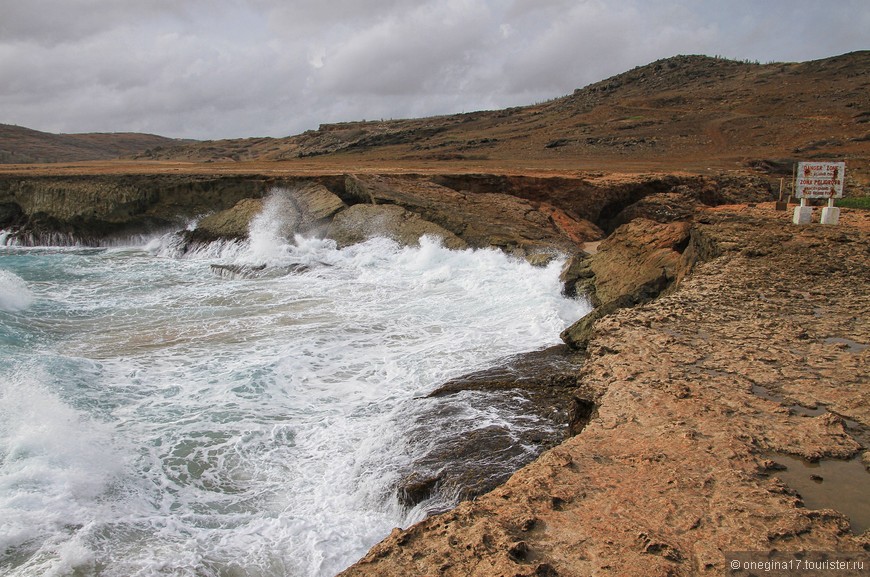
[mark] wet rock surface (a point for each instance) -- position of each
(673, 468)
(230, 223)
(531, 217)
(549, 369)
(303, 208)
(237, 271)
(534, 389)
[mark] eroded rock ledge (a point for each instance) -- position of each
(674, 469)
(527, 216)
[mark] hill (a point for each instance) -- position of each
(684, 112)
(21, 145)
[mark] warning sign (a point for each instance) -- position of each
(820, 179)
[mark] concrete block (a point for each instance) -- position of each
(803, 215)
(830, 215)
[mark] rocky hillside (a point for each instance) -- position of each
(19, 145)
(685, 112)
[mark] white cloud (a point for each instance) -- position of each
(230, 68)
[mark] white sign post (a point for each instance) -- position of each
(819, 180)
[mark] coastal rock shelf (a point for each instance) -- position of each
(672, 470)
(523, 215)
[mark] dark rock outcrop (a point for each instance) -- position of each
(471, 462)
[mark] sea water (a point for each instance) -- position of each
(159, 419)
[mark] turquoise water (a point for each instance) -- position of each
(158, 419)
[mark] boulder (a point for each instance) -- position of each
(634, 265)
(304, 209)
(636, 254)
(364, 221)
(230, 223)
(315, 204)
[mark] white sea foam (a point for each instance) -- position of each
(172, 422)
(57, 463)
(14, 292)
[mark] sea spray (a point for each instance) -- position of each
(272, 229)
(243, 426)
(14, 293)
(57, 464)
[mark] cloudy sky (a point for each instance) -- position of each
(235, 68)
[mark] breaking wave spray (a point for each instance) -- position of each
(158, 420)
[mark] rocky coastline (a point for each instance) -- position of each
(518, 214)
(722, 339)
(759, 351)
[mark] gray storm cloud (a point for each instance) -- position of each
(222, 69)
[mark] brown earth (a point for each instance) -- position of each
(19, 145)
(674, 468)
(682, 113)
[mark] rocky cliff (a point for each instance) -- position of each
(524, 215)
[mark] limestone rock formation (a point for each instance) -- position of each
(635, 264)
(89, 208)
(303, 209)
(364, 221)
(483, 219)
(230, 223)
(637, 253)
(68, 200)
(314, 205)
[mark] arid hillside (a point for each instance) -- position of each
(681, 113)
(19, 145)
(687, 114)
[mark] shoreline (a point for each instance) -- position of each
(691, 386)
(676, 468)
